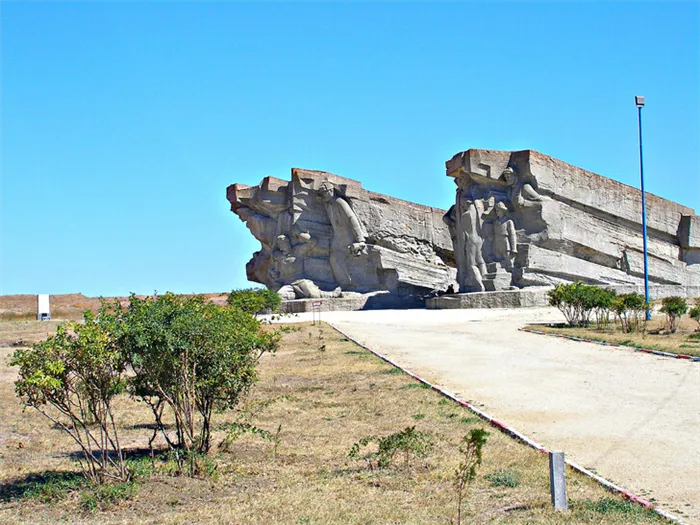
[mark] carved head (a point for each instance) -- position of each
(510, 176)
(283, 244)
(326, 191)
(501, 209)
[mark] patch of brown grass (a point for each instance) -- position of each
(686, 340)
(322, 402)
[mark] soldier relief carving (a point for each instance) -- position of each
(484, 224)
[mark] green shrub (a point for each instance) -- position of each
(471, 450)
(190, 357)
(72, 378)
(255, 300)
(674, 308)
(52, 487)
(408, 442)
(631, 310)
(577, 301)
(105, 496)
(504, 478)
(695, 314)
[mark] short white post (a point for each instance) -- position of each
(557, 481)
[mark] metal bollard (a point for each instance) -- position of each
(557, 481)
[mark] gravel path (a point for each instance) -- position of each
(633, 418)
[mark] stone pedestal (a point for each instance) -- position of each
(532, 296)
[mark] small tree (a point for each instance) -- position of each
(72, 378)
(602, 299)
(674, 308)
(631, 310)
(695, 314)
(255, 301)
(407, 442)
(471, 450)
(190, 357)
(577, 301)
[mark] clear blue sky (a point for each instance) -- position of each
(123, 123)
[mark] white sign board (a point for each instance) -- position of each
(43, 311)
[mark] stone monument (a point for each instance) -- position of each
(324, 236)
(520, 221)
(523, 219)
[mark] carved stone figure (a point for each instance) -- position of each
(306, 289)
(347, 237)
(286, 267)
(547, 222)
(520, 192)
(504, 237)
(321, 233)
(470, 242)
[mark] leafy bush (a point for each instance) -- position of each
(471, 450)
(52, 487)
(408, 442)
(72, 378)
(107, 495)
(504, 478)
(190, 357)
(255, 300)
(601, 301)
(695, 314)
(631, 310)
(577, 301)
(674, 308)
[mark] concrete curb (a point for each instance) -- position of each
(515, 434)
(603, 343)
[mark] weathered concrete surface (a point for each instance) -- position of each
(320, 232)
(350, 301)
(520, 219)
(632, 417)
(532, 296)
(570, 224)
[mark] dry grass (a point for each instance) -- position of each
(324, 401)
(686, 340)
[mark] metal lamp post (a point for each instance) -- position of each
(639, 102)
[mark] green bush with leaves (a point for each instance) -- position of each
(471, 450)
(72, 378)
(407, 442)
(674, 307)
(190, 357)
(631, 310)
(255, 300)
(695, 314)
(577, 301)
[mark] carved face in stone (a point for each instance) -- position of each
(326, 192)
(283, 243)
(501, 210)
(510, 176)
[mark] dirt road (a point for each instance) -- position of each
(631, 417)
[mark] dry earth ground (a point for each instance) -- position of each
(322, 402)
(631, 417)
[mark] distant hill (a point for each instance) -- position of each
(65, 306)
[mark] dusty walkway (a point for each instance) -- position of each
(632, 418)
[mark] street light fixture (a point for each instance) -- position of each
(639, 102)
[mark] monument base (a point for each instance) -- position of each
(351, 301)
(531, 296)
(537, 296)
